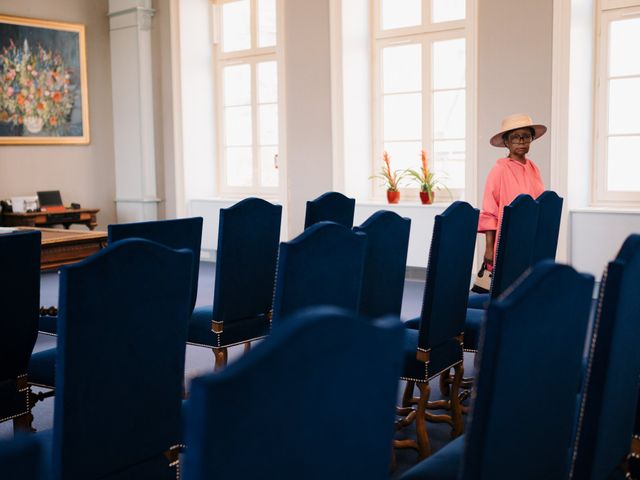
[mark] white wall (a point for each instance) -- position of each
(422, 219)
(597, 235)
(196, 92)
(356, 99)
(514, 75)
(83, 173)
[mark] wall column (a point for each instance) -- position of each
(307, 85)
(133, 127)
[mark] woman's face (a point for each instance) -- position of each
(518, 141)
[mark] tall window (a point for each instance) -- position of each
(247, 96)
(421, 83)
(617, 161)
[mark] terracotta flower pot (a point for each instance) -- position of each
(393, 197)
(426, 198)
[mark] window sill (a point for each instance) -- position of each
(607, 210)
(401, 204)
(410, 204)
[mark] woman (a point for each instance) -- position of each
(509, 177)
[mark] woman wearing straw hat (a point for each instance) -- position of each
(509, 177)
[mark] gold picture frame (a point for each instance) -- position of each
(43, 82)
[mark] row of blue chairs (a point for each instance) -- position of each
(529, 234)
(293, 407)
(327, 264)
(118, 408)
(450, 222)
(381, 286)
(556, 387)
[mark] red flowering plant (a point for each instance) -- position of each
(35, 88)
(427, 180)
(391, 179)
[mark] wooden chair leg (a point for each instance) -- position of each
(445, 381)
(24, 423)
(457, 425)
(247, 346)
(393, 463)
(424, 445)
(407, 396)
(220, 358)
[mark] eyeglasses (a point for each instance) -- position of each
(517, 138)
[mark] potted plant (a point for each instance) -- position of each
(391, 179)
(427, 180)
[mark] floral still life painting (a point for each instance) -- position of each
(43, 84)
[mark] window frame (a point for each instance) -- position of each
(426, 35)
(608, 12)
(252, 57)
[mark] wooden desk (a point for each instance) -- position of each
(62, 247)
(83, 216)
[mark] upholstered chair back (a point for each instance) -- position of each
(21, 459)
(330, 207)
(177, 234)
(321, 266)
(385, 263)
(444, 304)
(248, 237)
(548, 228)
(515, 244)
(312, 401)
(529, 377)
(19, 300)
(120, 360)
(609, 402)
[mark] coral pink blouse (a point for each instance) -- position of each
(507, 179)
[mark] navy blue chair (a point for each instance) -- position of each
(19, 297)
(385, 263)
(437, 345)
(514, 256)
(321, 266)
(21, 458)
(330, 207)
(522, 418)
(311, 402)
(178, 233)
(548, 228)
(247, 252)
(609, 401)
(545, 241)
(118, 401)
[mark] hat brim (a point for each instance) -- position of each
(497, 140)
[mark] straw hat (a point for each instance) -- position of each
(513, 122)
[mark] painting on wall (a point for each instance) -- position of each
(43, 82)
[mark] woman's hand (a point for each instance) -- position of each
(490, 237)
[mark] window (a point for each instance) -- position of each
(247, 96)
(617, 169)
(422, 84)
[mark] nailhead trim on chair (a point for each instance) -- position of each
(596, 326)
(273, 297)
(176, 463)
(25, 389)
(218, 346)
(428, 378)
(217, 327)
